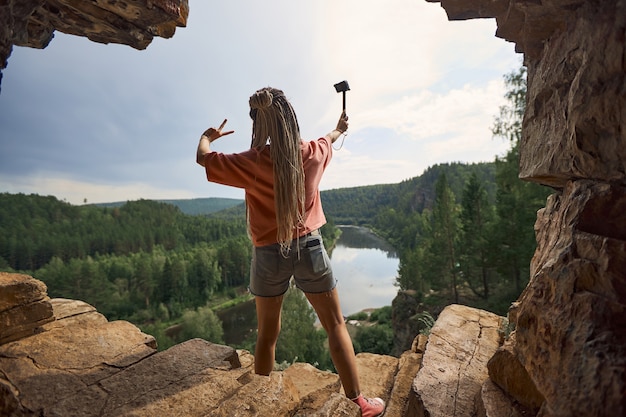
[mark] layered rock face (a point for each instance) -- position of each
(130, 22)
(570, 338)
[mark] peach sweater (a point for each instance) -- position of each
(252, 170)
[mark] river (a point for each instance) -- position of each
(365, 267)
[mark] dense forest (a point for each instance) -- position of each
(362, 205)
(122, 259)
(192, 206)
(463, 232)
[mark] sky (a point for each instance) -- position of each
(87, 122)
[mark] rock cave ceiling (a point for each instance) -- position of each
(32, 23)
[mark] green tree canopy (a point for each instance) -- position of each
(299, 339)
(201, 323)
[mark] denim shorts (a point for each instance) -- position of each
(307, 261)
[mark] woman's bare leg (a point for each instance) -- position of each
(268, 318)
(328, 310)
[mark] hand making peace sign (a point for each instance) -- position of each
(214, 134)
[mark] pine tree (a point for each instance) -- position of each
(476, 218)
(445, 218)
(298, 324)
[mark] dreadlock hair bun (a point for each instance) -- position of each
(261, 99)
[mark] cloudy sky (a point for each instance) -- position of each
(101, 123)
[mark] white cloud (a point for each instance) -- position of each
(349, 170)
(345, 255)
(77, 192)
(400, 140)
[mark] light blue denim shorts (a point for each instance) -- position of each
(306, 261)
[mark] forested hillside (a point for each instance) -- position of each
(144, 261)
(192, 206)
(361, 205)
(34, 229)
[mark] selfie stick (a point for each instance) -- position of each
(343, 87)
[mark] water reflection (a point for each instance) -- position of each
(365, 267)
(238, 322)
(362, 238)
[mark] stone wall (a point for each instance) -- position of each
(570, 338)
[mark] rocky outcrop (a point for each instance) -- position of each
(32, 23)
(24, 306)
(80, 364)
(454, 366)
(405, 308)
(570, 338)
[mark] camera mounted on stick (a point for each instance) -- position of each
(342, 87)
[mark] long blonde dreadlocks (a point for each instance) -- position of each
(274, 119)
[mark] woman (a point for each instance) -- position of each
(280, 174)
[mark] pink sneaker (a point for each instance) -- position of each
(370, 407)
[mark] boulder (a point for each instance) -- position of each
(68, 356)
(319, 392)
(493, 402)
(335, 405)
(570, 318)
(312, 382)
(419, 343)
(24, 306)
(506, 371)
(376, 374)
(20, 289)
(454, 366)
(273, 395)
(408, 366)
